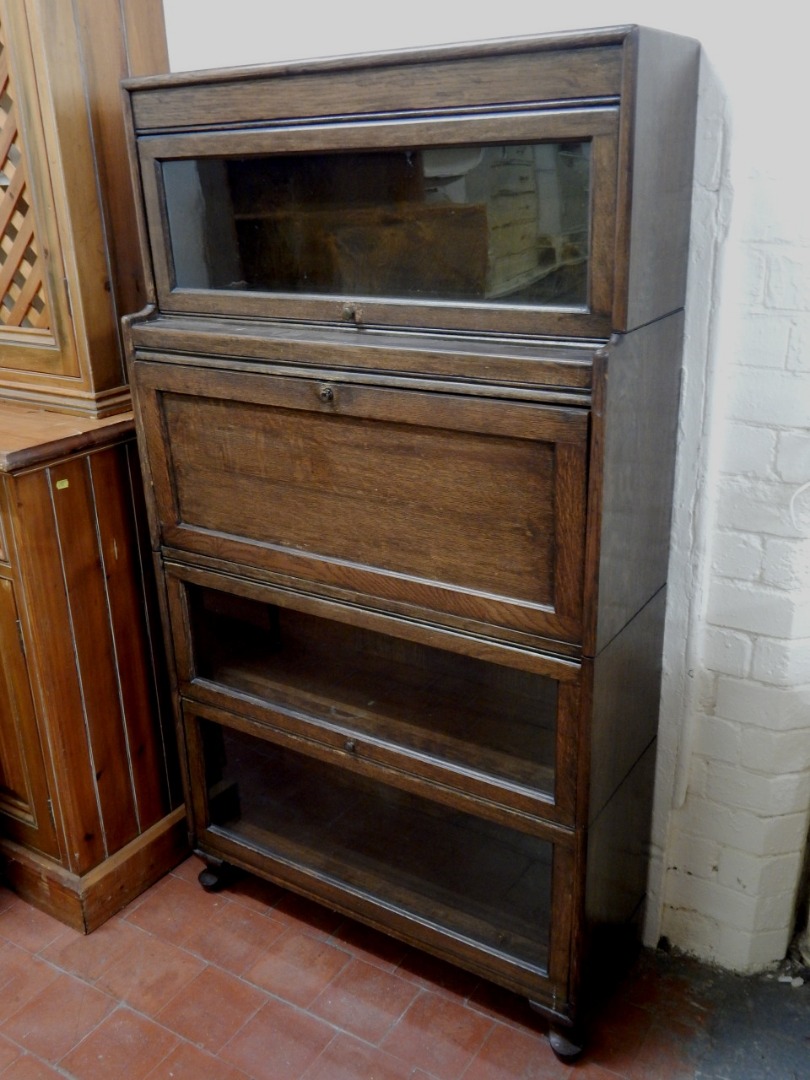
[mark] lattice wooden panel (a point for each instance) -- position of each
(23, 299)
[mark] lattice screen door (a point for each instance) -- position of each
(23, 297)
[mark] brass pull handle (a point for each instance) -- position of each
(350, 746)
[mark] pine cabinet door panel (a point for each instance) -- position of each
(23, 786)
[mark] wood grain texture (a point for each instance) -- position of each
(626, 696)
(74, 497)
(31, 436)
(618, 852)
(464, 506)
(489, 362)
(371, 85)
(85, 902)
(661, 82)
(637, 379)
(67, 60)
(500, 726)
(590, 317)
(47, 623)
(78, 550)
(343, 489)
(24, 789)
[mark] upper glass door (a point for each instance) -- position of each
(431, 224)
(501, 224)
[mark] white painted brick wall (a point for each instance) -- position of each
(738, 555)
(750, 451)
(773, 708)
(728, 652)
(786, 563)
(735, 848)
(798, 354)
(781, 662)
(758, 609)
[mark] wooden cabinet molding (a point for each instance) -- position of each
(67, 222)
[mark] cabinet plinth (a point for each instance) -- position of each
(406, 399)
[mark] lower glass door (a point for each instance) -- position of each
(481, 882)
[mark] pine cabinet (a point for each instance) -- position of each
(90, 806)
(406, 401)
(90, 802)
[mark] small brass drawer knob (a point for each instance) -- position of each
(326, 394)
(350, 746)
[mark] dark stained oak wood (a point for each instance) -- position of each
(626, 687)
(634, 430)
(574, 84)
(413, 545)
(521, 364)
(503, 725)
(446, 79)
(596, 126)
(651, 261)
(457, 503)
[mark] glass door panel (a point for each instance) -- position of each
(504, 224)
(465, 876)
(475, 717)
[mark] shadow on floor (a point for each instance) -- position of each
(673, 1018)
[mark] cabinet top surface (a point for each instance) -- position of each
(572, 39)
(29, 435)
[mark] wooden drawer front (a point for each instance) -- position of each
(495, 723)
(447, 503)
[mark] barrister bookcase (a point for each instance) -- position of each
(406, 398)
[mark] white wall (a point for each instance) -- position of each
(733, 792)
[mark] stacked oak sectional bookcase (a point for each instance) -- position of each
(406, 397)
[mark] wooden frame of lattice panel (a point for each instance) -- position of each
(30, 316)
(67, 60)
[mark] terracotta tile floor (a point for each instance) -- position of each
(255, 983)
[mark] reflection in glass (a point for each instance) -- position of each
(467, 876)
(500, 224)
(454, 709)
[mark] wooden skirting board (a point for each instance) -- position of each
(85, 902)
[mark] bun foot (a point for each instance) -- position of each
(214, 876)
(566, 1043)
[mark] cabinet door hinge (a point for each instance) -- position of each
(51, 814)
(20, 636)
